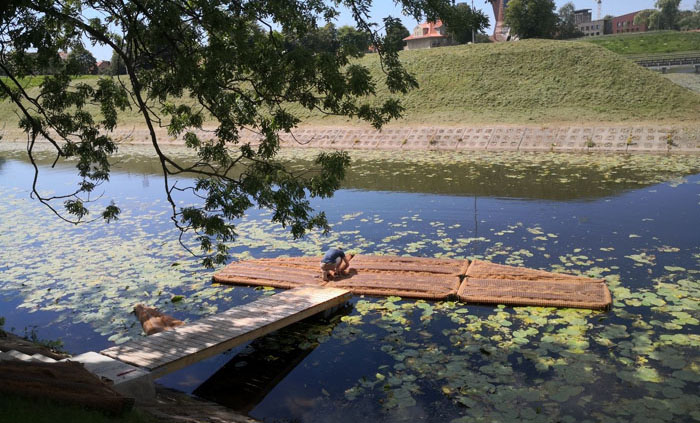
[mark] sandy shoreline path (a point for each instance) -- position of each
(625, 138)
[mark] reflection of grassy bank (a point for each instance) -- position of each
(550, 176)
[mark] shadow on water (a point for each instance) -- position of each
(245, 381)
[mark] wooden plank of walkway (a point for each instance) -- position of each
(172, 350)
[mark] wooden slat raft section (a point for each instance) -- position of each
(168, 351)
(435, 279)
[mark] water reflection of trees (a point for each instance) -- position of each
(526, 178)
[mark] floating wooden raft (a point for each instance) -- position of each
(435, 279)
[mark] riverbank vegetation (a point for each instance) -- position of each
(526, 82)
(643, 43)
(533, 81)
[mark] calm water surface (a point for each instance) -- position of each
(633, 220)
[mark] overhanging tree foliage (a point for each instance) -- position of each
(239, 64)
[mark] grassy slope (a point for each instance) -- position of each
(531, 81)
(536, 81)
(643, 43)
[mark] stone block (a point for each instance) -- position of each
(301, 137)
(574, 139)
(128, 380)
(601, 139)
(321, 138)
(654, 140)
(506, 139)
(446, 138)
(475, 139)
(539, 139)
(246, 136)
(419, 139)
(686, 141)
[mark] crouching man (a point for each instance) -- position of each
(334, 263)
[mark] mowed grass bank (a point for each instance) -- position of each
(648, 43)
(524, 82)
(534, 81)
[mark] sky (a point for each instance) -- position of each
(383, 8)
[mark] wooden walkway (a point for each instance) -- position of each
(172, 350)
(435, 279)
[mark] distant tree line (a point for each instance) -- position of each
(464, 22)
(538, 19)
(668, 15)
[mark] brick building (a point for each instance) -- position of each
(625, 23)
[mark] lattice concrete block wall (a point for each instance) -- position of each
(446, 138)
(650, 140)
(601, 139)
(246, 136)
(286, 139)
(419, 139)
(506, 139)
(538, 139)
(323, 138)
(574, 139)
(475, 139)
(395, 138)
(391, 139)
(348, 138)
(687, 141)
(614, 139)
(298, 138)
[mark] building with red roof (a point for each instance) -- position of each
(428, 35)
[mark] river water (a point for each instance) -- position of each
(632, 219)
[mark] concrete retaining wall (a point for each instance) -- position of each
(630, 139)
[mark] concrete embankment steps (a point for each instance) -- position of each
(585, 138)
(128, 380)
(20, 356)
